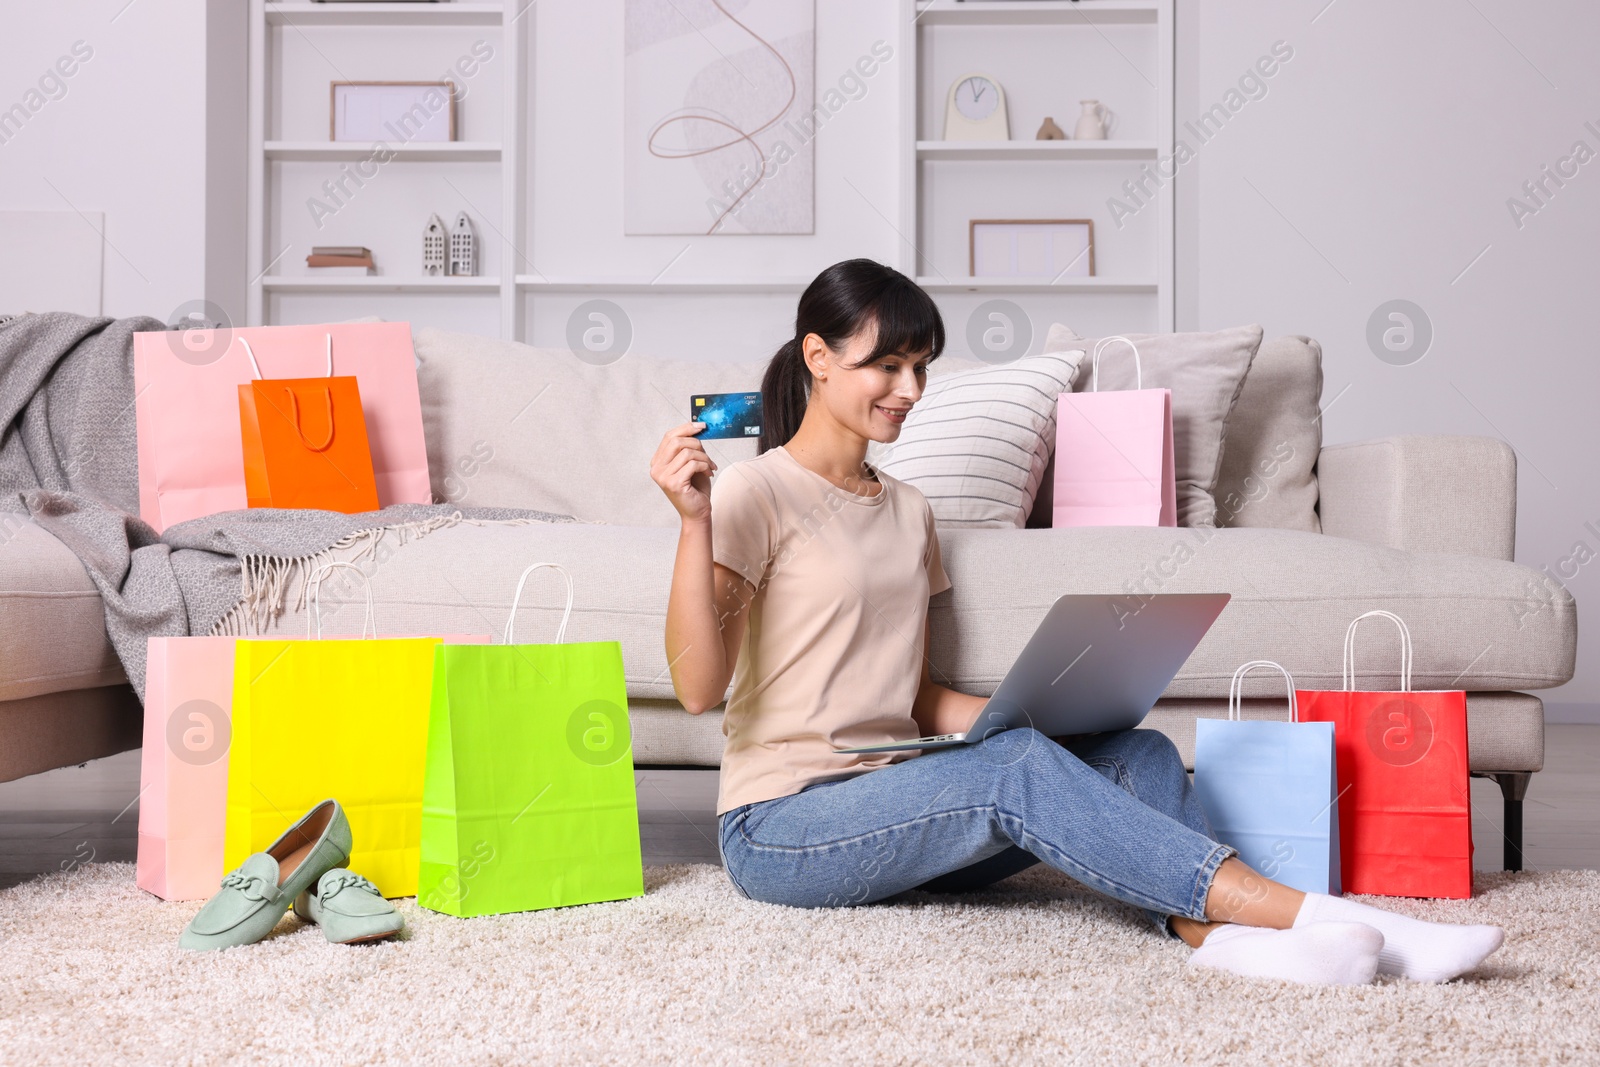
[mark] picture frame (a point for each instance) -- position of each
(394, 112)
(1030, 248)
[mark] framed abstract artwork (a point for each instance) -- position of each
(719, 117)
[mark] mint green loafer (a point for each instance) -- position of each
(254, 897)
(348, 908)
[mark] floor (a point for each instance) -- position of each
(78, 815)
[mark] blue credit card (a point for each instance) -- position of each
(727, 415)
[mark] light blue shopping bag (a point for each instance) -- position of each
(1269, 789)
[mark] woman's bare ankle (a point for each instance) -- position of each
(1191, 931)
(1240, 895)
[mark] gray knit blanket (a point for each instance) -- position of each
(69, 460)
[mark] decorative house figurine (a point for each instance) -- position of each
(433, 250)
(463, 247)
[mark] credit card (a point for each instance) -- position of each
(727, 415)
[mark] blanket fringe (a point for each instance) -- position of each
(266, 580)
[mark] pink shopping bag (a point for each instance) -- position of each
(1114, 461)
(183, 770)
(191, 458)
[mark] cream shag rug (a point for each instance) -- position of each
(1035, 970)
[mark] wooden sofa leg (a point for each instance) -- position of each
(1513, 787)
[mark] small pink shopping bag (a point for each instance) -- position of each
(1114, 460)
(183, 771)
(186, 400)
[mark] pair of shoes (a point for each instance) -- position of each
(254, 897)
(349, 909)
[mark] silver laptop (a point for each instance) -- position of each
(1096, 663)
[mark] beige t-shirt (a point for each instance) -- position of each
(833, 653)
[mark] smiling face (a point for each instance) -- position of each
(872, 399)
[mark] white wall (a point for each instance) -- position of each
(1378, 166)
(125, 134)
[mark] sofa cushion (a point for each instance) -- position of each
(52, 620)
(1205, 372)
(1294, 594)
(1269, 460)
(509, 425)
(1505, 731)
(978, 442)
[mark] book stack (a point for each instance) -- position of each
(339, 261)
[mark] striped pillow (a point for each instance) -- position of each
(977, 442)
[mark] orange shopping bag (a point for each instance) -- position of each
(305, 442)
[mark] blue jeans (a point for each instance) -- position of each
(1113, 811)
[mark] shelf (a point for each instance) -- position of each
(1036, 12)
(1034, 285)
(366, 14)
(440, 151)
(378, 283)
(1040, 150)
(535, 283)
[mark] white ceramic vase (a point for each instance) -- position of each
(1092, 122)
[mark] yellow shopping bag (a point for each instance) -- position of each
(328, 717)
(346, 719)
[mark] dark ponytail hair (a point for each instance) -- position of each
(842, 301)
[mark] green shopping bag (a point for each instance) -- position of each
(528, 798)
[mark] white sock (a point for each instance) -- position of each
(1423, 951)
(1318, 954)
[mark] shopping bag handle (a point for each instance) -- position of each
(1099, 346)
(1350, 649)
(314, 598)
(1236, 689)
(256, 367)
(511, 620)
(294, 406)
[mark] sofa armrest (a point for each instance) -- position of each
(1423, 493)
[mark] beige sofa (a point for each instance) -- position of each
(1420, 525)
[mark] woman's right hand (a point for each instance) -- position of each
(683, 470)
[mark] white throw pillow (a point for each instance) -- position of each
(977, 442)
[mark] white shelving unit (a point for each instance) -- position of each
(1045, 150)
(459, 13)
(701, 287)
(1034, 12)
(1017, 285)
(276, 25)
(377, 283)
(459, 151)
(1046, 55)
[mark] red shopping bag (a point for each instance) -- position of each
(1114, 458)
(1405, 809)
